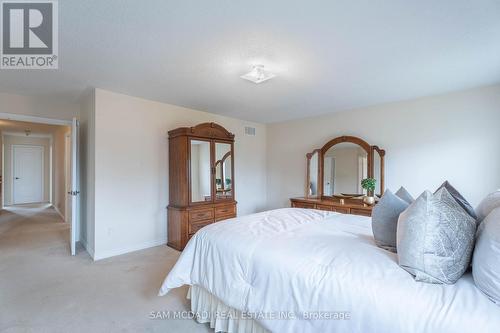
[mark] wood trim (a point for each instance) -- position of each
(381, 153)
(204, 130)
(355, 207)
(352, 139)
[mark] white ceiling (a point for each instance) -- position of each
(328, 55)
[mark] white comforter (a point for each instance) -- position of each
(299, 260)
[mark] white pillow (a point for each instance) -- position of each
(486, 259)
(489, 203)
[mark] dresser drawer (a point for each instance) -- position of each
(201, 214)
(303, 205)
(363, 212)
(195, 226)
(341, 210)
(324, 207)
(225, 212)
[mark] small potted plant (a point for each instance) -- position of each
(369, 185)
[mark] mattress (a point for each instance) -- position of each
(302, 270)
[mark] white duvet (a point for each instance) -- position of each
(302, 261)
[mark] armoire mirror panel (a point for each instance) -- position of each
(223, 171)
(200, 171)
(344, 166)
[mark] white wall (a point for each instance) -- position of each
(87, 173)
(38, 106)
(131, 169)
(454, 136)
(8, 141)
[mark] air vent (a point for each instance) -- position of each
(250, 131)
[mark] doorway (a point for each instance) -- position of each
(28, 174)
(38, 163)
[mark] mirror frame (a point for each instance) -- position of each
(370, 151)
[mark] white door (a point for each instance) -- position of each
(28, 174)
(75, 186)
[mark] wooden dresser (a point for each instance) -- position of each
(350, 206)
(201, 180)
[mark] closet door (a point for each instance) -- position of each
(223, 171)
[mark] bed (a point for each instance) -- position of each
(304, 270)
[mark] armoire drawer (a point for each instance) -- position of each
(195, 226)
(225, 211)
(201, 214)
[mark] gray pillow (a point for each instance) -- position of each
(403, 194)
(459, 198)
(385, 216)
(487, 205)
(486, 261)
(435, 238)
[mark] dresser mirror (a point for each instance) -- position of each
(223, 171)
(337, 169)
(200, 170)
(344, 166)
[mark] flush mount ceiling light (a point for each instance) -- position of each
(258, 74)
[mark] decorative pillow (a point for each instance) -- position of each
(489, 203)
(435, 238)
(403, 194)
(385, 220)
(486, 261)
(459, 198)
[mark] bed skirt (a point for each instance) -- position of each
(209, 309)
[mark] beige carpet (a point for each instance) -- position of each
(44, 289)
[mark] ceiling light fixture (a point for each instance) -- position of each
(258, 74)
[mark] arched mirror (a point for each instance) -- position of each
(337, 169)
(345, 165)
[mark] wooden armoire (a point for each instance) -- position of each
(201, 180)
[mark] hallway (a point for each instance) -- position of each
(44, 289)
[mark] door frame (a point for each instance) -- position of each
(26, 118)
(13, 157)
(32, 119)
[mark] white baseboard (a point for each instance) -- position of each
(116, 252)
(59, 212)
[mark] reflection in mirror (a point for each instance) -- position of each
(223, 171)
(200, 171)
(344, 166)
(312, 188)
